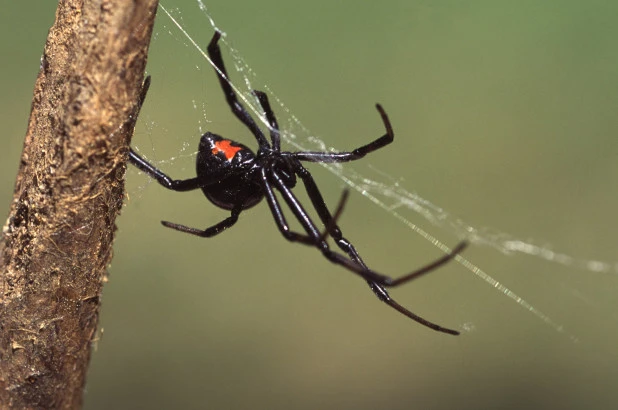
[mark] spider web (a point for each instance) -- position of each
(388, 192)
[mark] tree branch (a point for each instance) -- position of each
(57, 241)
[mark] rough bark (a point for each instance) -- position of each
(57, 241)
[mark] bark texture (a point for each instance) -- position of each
(57, 241)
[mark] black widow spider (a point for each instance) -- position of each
(232, 177)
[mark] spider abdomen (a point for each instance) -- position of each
(232, 191)
(224, 171)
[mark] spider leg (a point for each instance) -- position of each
(353, 265)
(214, 52)
(320, 206)
(282, 224)
(385, 297)
(272, 120)
(346, 246)
(338, 211)
(169, 183)
(358, 153)
(305, 220)
(335, 232)
(140, 102)
(211, 231)
(231, 220)
(148, 168)
(142, 95)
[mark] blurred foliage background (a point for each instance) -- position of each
(505, 114)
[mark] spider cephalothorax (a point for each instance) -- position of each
(234, 178)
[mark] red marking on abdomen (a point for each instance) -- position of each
(226, 147)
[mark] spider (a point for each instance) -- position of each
(234, 178)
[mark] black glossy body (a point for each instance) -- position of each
(227, 179)
(232, 177)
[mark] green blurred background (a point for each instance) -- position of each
(505, 114)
